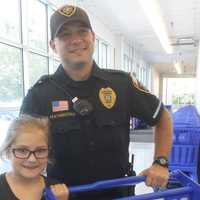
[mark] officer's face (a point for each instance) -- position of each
(74, 44)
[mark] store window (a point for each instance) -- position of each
(10, 20)
(11, 79)
(38, 66)
(37, 26)
(104, 52)
(53, 65)
(179, 92)
(96, 51)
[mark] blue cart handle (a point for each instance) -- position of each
(48, 194)
(132, 180)
(107, 184)
(98, 185)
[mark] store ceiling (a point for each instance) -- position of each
(181, 17)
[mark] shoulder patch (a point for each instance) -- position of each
(139, 85)
(110, 74)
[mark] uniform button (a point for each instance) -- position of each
(87, 122)
(92, 145)
(112, 123)
(91, 163)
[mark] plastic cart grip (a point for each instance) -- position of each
(107, 184)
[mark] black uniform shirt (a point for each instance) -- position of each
(94, 147)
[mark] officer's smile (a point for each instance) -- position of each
(78, 50)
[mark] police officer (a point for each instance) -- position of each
(90, 109)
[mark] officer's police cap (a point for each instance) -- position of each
(65, 14)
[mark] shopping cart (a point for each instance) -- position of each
(187, 189)
(185, 150)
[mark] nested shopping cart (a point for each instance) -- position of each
(185, 150)
(185, 188)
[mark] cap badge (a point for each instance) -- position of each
(67, 10)
(107, 97)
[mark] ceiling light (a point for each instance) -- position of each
(185, 41)
(154, 15)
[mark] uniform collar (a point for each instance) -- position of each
(61, 75)
(98, 72)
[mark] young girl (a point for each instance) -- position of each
(27, 147)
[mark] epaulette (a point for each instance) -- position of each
(115, 71)
(43, 79)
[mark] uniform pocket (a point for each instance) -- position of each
(113, 131)
(66, 134)
(64, 125)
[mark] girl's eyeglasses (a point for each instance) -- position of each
(23, 153)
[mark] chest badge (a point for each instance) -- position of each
(107, 97)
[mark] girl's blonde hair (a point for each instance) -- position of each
(20, 124)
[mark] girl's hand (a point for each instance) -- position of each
(60, 191)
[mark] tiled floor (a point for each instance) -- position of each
(143, 157)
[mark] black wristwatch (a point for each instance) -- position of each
(162, 161)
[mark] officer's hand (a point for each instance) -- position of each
(60, 191)
(156, 176)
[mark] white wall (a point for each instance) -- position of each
(101, 30)
(198, 82)
(107, 35)
(155, 82)
(119, 51)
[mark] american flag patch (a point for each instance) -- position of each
(60, 106)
